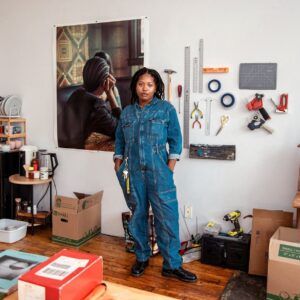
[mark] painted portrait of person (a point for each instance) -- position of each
(119, 46)
(12, 267)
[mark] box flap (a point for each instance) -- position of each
(285, 245)
(90, 201)
(81, 195)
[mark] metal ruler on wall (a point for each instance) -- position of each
(187, 80)
(201, 46)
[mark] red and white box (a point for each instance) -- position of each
(68, 274)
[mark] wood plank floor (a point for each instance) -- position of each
(117, 264)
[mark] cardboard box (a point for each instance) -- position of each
(264, 224)
(76, 220)
(284, 264)
(68, 274)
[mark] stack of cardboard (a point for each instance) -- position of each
(265, 223)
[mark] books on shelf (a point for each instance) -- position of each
(12, 265)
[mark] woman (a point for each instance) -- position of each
(145, 171)
(85, 113)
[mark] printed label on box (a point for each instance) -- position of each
(62, 267)
(289, 252)
(30, 291)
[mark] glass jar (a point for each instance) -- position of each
(31, 173)
(44, 173)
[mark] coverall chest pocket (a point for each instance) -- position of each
(157, 128)
(128, 130)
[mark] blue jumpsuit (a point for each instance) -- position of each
(142, 136)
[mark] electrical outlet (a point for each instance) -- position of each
(188, 212)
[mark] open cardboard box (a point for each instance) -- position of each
(284, 264)
(76, 220)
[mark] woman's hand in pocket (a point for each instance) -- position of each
(171, 164)
(118, 163)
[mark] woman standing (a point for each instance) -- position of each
(145, 171)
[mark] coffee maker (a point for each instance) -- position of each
(27, 154)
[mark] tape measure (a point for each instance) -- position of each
(186, 115)
(216, 70)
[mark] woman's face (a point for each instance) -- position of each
(145, 88)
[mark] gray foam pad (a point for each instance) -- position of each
(258, 76)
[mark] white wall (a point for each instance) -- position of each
(266, 168)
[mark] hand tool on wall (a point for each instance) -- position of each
(282, 107)
(257, 104)
(169, 72)
(198, 115)
(224, 121)
(195, 74)
(207, 115)
(196, 122)
(216, 70)
(196, 111)
(186, 116)
(201, 48)
(233, 217)
(258, 122)
(179, 93)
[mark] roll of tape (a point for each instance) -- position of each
(212, 82)
(226, 96)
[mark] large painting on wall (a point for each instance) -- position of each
(94, 66)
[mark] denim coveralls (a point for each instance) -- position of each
(141, 136)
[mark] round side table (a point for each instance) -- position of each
(17, 179)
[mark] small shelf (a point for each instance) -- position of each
(9, 123)
(41, 218)
(40, 215)
(13, 136)
(12, 120)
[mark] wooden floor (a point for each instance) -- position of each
(117, 264)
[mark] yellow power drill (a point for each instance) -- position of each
(233, 218)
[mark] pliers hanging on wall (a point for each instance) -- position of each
(196, 111)
(197, 122)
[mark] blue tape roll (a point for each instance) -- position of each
(218, 85)
(225, 96)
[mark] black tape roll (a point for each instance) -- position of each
(225, 96)
(212, 82)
